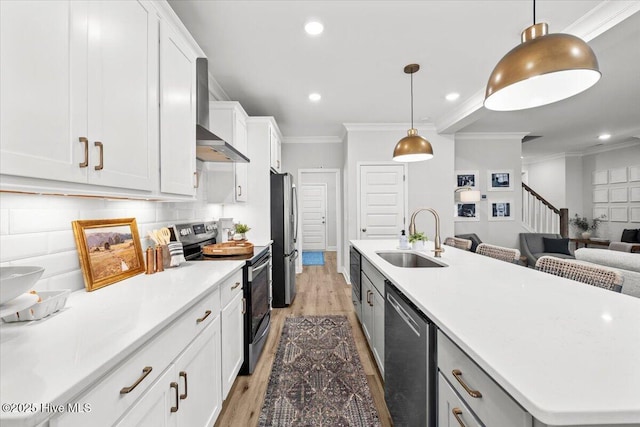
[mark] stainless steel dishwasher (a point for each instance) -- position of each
(410, 366)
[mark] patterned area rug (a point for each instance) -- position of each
(312, 258)
(317, 378)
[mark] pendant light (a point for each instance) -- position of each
(413, 147)
(545, 68)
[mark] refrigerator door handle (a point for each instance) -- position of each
(295, 214)
(294, 255)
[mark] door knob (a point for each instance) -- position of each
(364, 230)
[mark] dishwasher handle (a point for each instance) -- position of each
(403, 314)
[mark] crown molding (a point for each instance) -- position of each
(490, 136)
(467, 112)
(381, 127)
(549, 158)
(633, 142)
(312, 140)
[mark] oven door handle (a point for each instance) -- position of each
(253, 271)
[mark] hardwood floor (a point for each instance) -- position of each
(320, 290)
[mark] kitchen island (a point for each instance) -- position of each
(52, 369)
(567, 352)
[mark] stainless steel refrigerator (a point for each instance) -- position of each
(284, 229)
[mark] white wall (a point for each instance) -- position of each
(430, 182)
(311, 155)
(483, 152)
(36, 229)
(548, 178)
(623, 157)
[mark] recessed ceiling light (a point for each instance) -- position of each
(315, 97)
(314, 28)
(604, 136)
(452, 96)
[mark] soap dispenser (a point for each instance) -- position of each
(404, 242)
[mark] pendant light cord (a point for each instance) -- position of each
(534, 12)
(411, 100)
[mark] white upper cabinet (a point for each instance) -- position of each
(177, 114)
(276, 149)
(79, 92)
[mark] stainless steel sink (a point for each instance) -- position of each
(409, 259)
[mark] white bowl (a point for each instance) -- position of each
(14, 281)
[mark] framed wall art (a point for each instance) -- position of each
(617, 175)
(619, 214)
(500, 180)
(634, 194)
(602, 213)
(600, 195)
(635, 214)
(467, 179)
(618, 195)
(109, 250)
(634, 173)
(466, 212)
(600, 177)
(500, 210)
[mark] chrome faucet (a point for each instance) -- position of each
(412, 228)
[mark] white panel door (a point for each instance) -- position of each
(314, 217)
(382, 201)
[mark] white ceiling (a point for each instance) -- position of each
(261, 56)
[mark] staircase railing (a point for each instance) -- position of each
(541, 216)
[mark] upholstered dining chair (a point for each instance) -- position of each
(456, 242)
(590, 274)
(498, 252)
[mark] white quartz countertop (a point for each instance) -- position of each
(52, 360)
(568, 352)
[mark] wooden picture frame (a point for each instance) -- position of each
(466, 212)
(500, 210)
(109, 250)
(500, 180)
(467, 178)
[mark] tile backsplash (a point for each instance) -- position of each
(36, 229)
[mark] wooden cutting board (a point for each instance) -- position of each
(240, 247)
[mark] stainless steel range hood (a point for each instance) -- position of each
(209, 146)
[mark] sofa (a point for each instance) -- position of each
(628, 264)
(629, 241)
(532, 245)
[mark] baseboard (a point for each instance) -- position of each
(345, 274)
(332, 248)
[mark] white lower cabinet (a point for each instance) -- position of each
(232, 342)
(172, 380)
(373, 311)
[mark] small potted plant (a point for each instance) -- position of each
(581, 224)
(241, 229)
(417, 241)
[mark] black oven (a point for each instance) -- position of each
(257, 284)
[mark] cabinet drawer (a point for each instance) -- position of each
(107, 400)
(230, 288)
(495, 407)
(377, 279)
(452, 411)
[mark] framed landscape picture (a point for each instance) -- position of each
(500, 180)
(467, 179)
(109, 250)
(466, 212)
(500, 210)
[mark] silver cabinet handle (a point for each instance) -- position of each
(101, 147)
(244, 305)
(196, 180)
(239, 190)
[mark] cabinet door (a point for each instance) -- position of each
(153, 409)
(177, 114)
(242, 169)
(378, 329)
(274, 144)
(452, 411)
(232, 342)
(198, 370)
(43, 103)
(367, 309)
(123, 100)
